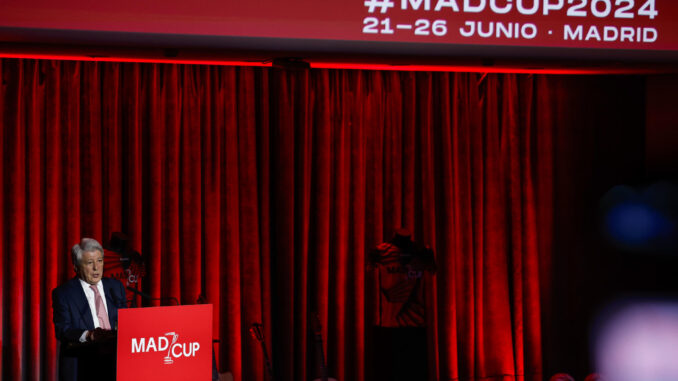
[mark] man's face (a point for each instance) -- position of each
(91, 266)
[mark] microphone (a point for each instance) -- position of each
(149, 297)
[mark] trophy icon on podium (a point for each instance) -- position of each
(168, 358)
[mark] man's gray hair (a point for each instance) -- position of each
(86, 244)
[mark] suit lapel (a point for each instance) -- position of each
(79, 300)
(110, 303)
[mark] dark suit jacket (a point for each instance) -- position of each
(72, 316)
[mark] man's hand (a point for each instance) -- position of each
(101, 335)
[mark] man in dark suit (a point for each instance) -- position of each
(85, 314)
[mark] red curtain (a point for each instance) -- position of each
(264, 189)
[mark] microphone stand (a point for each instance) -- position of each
(257, 332)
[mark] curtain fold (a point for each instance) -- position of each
(264, 190)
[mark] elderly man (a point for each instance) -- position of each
(85, 314)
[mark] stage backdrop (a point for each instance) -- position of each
(264, 189)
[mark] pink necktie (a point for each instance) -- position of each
(101, 309)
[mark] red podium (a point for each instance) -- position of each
(165, 343)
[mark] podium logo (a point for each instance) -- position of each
(168, 343)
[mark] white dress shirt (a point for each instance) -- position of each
(92, 305)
